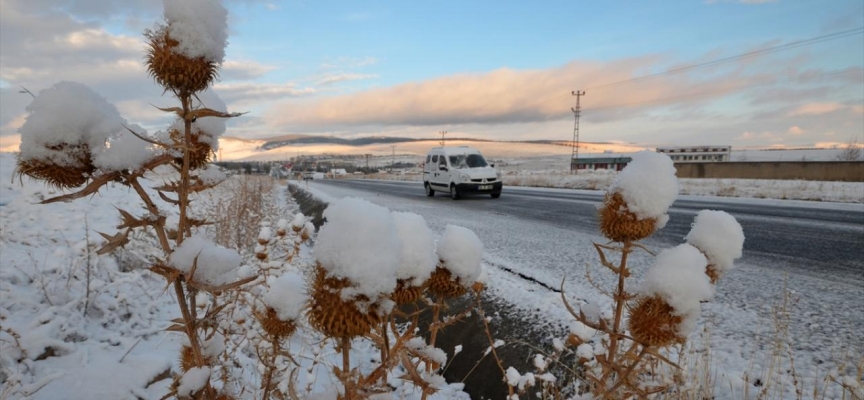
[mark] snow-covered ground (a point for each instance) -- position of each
(741, 328)
(120, 349)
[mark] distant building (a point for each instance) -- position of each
(697, 154)
(595, 163)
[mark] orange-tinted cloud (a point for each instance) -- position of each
(506, 95)
(816, 108)
(796, 130)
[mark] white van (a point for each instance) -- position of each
(459, 171)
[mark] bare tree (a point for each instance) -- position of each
(851, 152)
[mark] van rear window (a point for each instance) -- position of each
(435, 158)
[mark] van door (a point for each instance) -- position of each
(436, 176)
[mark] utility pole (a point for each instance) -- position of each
(393, 157)
(442, 137)
(367, 163)
(574, 155)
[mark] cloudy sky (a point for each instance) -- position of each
(485, 69)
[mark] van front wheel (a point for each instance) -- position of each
(429, 191)
(454, 194)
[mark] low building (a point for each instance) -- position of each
(595, 163)
(697, 154)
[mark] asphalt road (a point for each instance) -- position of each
(803, 238)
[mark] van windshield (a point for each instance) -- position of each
(467, 161)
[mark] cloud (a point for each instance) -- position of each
(816, 109)
(770, 136)
(342, 77)
(349, 62)
(246, 92)
(243, 69)
(10, 143)
(517, 96)
(795, 130)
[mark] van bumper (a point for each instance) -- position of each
(475, 188)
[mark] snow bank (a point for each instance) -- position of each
(216, 265)
(287, 295)
(212, 175)
(648, 185)
(461, 250)
(193, 380)
(418, 258)
(67, 113)
(200, 26)
(359, 243)
(719, 235)
(678, 277)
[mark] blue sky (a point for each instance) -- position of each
(479, 68)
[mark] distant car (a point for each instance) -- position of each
(308, 176)
(459, 171)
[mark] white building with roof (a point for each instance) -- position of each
(697, 154)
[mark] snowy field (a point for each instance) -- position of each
(120, 350)
(50, 349)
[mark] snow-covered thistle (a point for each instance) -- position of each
(619, 349)
(73, 137)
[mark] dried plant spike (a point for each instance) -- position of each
(460, 252)
(66, 125)
(619, 224)
(200, 150)
(652, 322)
(62, 177)
(274, 326)
(713, 273)
(405, 292)
(173, 70)
(187, 358)
(720, 238)
(443, 283)
(330, 314)
(641, 195)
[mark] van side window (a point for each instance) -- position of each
(435, 159)
(428, 158)
(442, 161)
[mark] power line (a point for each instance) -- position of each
(756, 53)
(696, 94)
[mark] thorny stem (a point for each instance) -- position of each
(346, 365)
(492, 342)
(87, 239)
(183, 231)
(160, 231)
(620, 299)
(183, 192)
(189, 322)
(386, 347)
(433, 327)
(623, 378)
(271, 368)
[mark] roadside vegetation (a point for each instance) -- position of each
(268, 308)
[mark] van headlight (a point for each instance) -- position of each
(464, 177)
